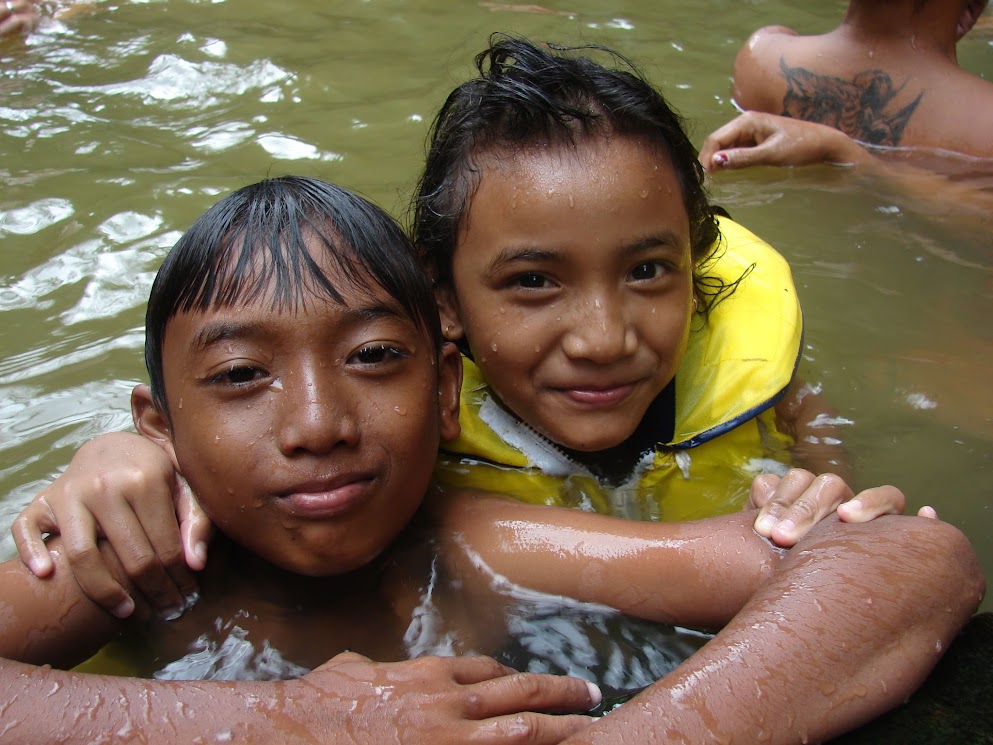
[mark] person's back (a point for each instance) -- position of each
(887, 75)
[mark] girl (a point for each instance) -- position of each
(627, 350)
(624, 347)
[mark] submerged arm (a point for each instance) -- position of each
(816, 640)
(349, 700)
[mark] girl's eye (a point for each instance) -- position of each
(241, 375)
(647, 270)
(530, 281)
(376, 354)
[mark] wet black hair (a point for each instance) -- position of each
(252, 244)
(525, 96)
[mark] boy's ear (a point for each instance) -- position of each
(152, 423)
(448, 309)
(449, 390)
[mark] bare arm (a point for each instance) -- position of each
(348, 700)
(816, 429)
(816, 640)
(757, 139)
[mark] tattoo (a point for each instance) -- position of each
(858, 108)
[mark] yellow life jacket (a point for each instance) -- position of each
(738, 364)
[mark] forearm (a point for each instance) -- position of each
(44, 706)
(816, 428)
(680, 573)
(849, 624)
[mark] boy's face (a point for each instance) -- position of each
(572, 283)
(309, 436)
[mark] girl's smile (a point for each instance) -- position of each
(572, 284)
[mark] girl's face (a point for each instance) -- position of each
(572, 283)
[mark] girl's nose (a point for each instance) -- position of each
(315, 415)
(599, 331)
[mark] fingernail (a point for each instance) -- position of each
(720, 159)
(125, 609)
(851, 506)
(201, 551)
(36, 567)
(787, 526)
(765, 524)
(595, 694)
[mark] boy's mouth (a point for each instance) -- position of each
(327, 498)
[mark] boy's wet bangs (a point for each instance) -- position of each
(252, 265)
(252, 245)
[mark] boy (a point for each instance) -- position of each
(299, 384)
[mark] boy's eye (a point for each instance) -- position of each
(239, 375)
(376, 354)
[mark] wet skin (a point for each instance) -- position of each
(572, 283)
(308, 436)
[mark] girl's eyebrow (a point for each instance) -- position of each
(666, 239)
(215, 331)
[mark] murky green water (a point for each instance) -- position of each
(120, 126)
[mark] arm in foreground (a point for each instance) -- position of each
(350, 699)
(815, 641)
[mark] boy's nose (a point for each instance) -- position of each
(315, 417)
(599, 331)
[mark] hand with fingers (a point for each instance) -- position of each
(758, 139)
(17, 17)
(450, 699)
(789, 506)
(122, 488)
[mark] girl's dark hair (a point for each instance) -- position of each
(253, 243)
(526, 95)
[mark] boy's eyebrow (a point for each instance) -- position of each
(216, 331)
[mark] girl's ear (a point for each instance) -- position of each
(151, 422)
(448, 309)
(449, 390)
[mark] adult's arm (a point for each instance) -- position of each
(757, 139)
(816, 640)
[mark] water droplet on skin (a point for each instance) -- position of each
(400, 410)
(180, 403)
(493, 346)
(572, 202)
(217, 439)
(644, 193)
(537, 348)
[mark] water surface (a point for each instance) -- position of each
(123, 123)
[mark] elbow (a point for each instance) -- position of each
(956, 561)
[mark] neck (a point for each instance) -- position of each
(922, 26)
(232, 564)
